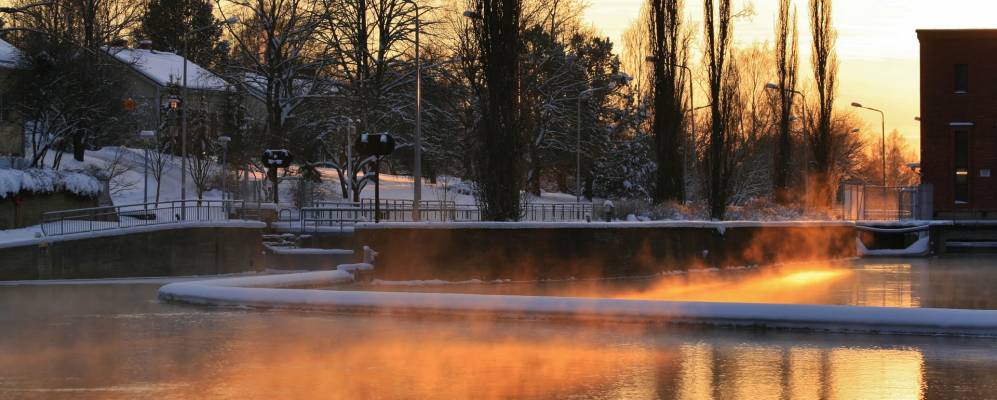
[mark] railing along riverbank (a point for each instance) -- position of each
(143, 214)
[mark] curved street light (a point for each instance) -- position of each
(882, 117)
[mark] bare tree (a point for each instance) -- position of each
(278, 59)
(371, 46)
(787, 65)
(669, 50)
(825, 68)
(160, 159)
(67, 86)
(718, 27)
(754, 140)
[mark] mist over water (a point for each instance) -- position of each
(119, 342)
(959, 282)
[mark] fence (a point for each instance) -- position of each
(885, 203)
(437, 211)
(165, 212)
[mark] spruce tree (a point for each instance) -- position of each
(167, 22)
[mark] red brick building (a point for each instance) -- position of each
(959, 121)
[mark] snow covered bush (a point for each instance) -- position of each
(43, 181)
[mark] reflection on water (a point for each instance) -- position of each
(937, 283)
(118, 342)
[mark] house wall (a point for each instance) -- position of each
(942, 108)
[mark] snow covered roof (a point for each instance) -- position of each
(40, 181)
(166, 68)
(10, 56)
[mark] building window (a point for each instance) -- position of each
(962, 78)
(961, 165)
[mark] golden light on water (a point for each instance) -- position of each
(800, 284)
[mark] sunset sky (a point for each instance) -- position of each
(877, 45)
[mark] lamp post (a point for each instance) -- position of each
(224, 141)
(417, 167)
(578, 143)
(145, 135)
(692, 118)
(183, 115)
(351, 131)
(882, 120)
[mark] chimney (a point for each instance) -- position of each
(145, 44)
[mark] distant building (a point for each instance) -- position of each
(959, 121)
(156, 82)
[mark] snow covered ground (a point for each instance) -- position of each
(393, 187)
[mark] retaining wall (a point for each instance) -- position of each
(592, 250)
(167, 250)
(28, 211)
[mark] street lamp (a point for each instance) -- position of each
(145, 135)
(224, 141)
(692, 116)
(183, 115)
(882, 118)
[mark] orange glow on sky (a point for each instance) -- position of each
(877, 45)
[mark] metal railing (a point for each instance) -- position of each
(337, 216)
(882, 203)
(96, 219)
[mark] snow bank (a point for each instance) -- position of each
(13, 181)
(308, 251)
(262, 292)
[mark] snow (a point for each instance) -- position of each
(10, 56)
(308, 252)
(166, 68)
(265, 292)
(41, 181)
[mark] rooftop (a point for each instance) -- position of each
(166, 68)
(956, 34)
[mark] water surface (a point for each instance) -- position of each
(119, 342)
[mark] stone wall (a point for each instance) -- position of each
(163, 252)
(28, 210)
(456, 253)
